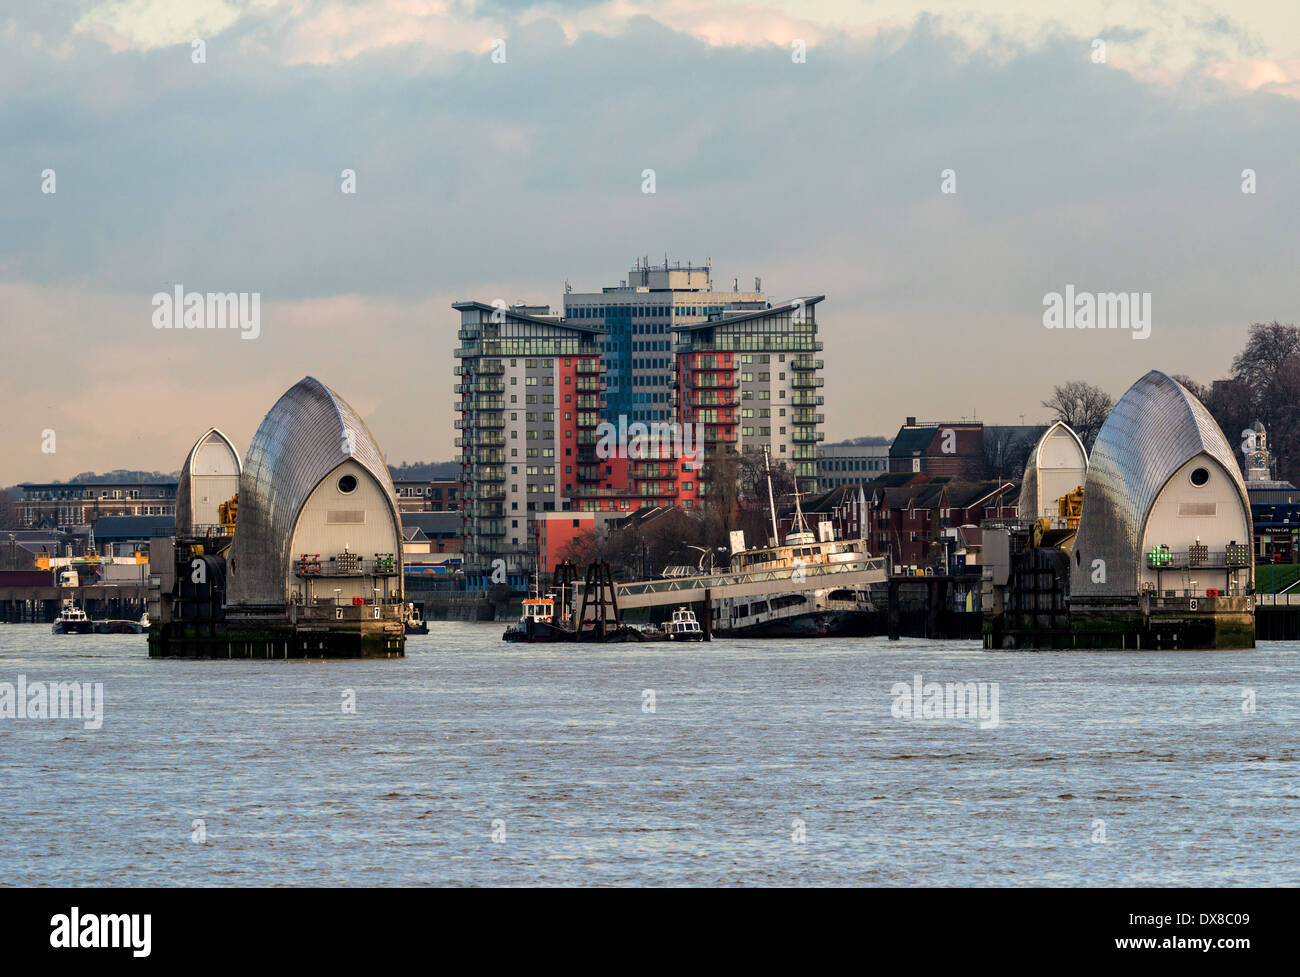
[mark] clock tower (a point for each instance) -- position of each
(1254, 448)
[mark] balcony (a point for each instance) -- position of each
(803, 435)
(807, 417)
(588, 402)
(712, 363)
(590, 384)
(702, 382)
(486, 439)
(488, 473)
(714, 398)
(491, 368)
(804, 399)
(489, 422)
(800, 380)
(481, 403)
(806, 363)
(588, 366)
(641, 472)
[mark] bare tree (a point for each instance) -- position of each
(1194, 388)
(8, 511)
(753, 478)
(1267, 388)
(1005, 452)
(1267, 347)
(1082, 406)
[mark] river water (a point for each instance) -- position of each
(735, 762)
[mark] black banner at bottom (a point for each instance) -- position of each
(140, 927)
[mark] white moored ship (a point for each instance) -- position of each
(832, 610)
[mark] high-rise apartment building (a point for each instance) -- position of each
(529, 401)
(639, 317)
(700, 372)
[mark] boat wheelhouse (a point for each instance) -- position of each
(684, 626)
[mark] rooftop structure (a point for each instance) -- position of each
(638, 319)
(315, 483)
(849, 464)
(64, 505)
(209, 477)
(1056, 466)
(1161, 475)
(952, 448)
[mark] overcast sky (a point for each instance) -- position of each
(478, 179)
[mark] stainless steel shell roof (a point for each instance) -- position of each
(185, 517)
(1156, 428)
(307, 434)
(1028, 504)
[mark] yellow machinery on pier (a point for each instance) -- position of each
(227, 511)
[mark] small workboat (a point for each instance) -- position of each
(72, 620)
(684, 626)
(415, 622)
(538, 622)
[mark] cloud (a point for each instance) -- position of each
(483, 180)
(144, 24)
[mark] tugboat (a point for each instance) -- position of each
(415, 622)
(72, 620)
(538, 622)
(684, 626)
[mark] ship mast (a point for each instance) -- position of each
(771, 502)
(800, 523)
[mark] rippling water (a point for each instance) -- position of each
(552, 748)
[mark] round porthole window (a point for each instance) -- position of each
(348, 484)
(1200, 476)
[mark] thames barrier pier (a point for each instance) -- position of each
(1147, 545)
(295, 553)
